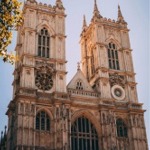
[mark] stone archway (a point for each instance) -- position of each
(84, 131)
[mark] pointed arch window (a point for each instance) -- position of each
(83, 135)
(113, 56)
(121, 128)
(42, 121)
(79, 85)
(43, 43)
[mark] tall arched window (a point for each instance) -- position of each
(83, 135)
(42, 121)
(43, 43)
(121, 128)
(113, 56)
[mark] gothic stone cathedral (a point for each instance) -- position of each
(97, 110)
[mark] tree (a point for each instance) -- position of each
(10, 19)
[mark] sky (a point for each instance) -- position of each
(136, 14)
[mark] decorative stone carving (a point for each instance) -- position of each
(40, 64)
(116, 79)
(43, 79)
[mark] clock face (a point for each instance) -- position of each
(44, 81)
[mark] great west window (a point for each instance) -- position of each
(83, 135)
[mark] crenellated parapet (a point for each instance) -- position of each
(47, 7)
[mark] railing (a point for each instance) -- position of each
(83, 93)
(135, 106)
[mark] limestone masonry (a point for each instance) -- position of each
(97, 110)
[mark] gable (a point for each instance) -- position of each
(79, 82)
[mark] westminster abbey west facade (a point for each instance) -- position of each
(97, 110)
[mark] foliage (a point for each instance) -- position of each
(10, 19)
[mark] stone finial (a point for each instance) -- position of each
(84, 23)
(120, 16)
(59, 4)
(96, 13)
(78, 66)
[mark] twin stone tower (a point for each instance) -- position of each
(97, 110)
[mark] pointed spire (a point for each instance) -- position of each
(120, 16)
(96, 12)
(95, 6)
(84, 22)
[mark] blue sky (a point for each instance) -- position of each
(136, 14)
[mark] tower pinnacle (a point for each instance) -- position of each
(120, 16)
(96, 12)
(84, 23)
(59, 4)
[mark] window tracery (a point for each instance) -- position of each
(83, 135)
(42, 121)
(79, 85)
(43, 43)
(113, 59)
(121, 128)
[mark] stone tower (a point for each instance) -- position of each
(39, 75)
(97, 110)
(106, 58)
